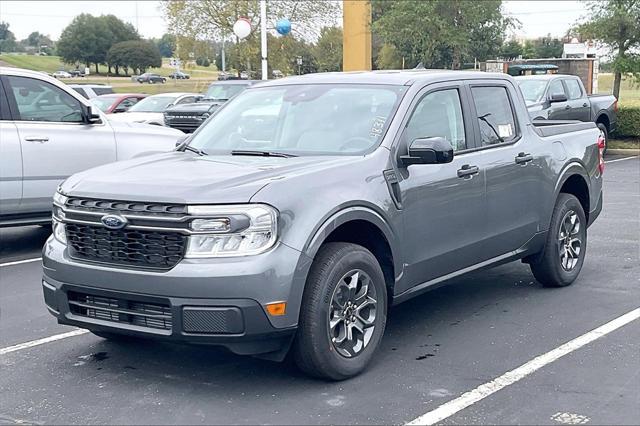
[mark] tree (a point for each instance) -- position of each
(511, 50)
(7, 38)
(442, 33)
(166, 45)
(529, 50)
(214, 19)
(328, 49)
(87, 38)
(616, 25)
(548, 47)
(136, 54)
(388, 58)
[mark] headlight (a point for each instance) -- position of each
(59, 231)
(234, 230)
(59, 199)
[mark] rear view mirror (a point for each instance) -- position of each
(434, 150)
(558, 97)
(89, 116)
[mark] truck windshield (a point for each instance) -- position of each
(318, 119)
(532, 90)
(153, 104)
(224, 91)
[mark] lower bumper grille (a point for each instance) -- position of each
(150, 315)
(146, 249)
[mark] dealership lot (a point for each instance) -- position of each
(437, 347)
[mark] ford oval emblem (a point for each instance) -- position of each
(113, 221)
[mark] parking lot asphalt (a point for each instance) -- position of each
(436, 347)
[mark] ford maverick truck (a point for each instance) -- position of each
(305, 207)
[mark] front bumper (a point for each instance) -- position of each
(206, 301)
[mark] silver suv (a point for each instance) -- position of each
(49, 132)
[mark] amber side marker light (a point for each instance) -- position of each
(277, 309)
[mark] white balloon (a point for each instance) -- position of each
(242, 28)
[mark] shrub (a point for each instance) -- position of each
(628, 121)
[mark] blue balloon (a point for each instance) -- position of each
(283, 26)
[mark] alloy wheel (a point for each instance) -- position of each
(569, 240)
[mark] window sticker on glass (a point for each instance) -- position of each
(377, 126)
(505, 130)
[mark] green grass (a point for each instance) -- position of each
(630, 143)
(629, 90)
(54, 63)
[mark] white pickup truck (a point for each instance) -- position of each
(49, 132)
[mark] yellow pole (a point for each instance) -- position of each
(356, 38)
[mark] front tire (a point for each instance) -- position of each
(563, 255)
(343, 314)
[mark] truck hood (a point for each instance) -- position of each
(201, 107)
(186, 178)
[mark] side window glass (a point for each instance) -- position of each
(556, 88)
(495, 116)
(82, 92)
(439, 114)
(40, 101)
(573, 87)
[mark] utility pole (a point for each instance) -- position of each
(263, 38)
(356, 38)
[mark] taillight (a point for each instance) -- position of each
(601, 145)
(615, 106)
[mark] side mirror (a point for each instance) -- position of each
(434, 150)
(89, 116)
(558, 97)
(120, 109)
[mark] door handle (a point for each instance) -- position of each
(41, 139)
(468, 171)
(524, 158)
(567, 107)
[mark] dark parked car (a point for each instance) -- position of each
(563, 97)
(115, 103)
(179, 75)
(188, 117)
(150, 78)
(76, 73)
(307, 206)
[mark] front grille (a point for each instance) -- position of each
(119, 310)
(145, 249)
(126, 207)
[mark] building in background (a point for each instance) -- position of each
(582, 50)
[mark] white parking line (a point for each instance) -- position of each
(469, 398)
(619, 159)
(39, 342)
(19, 262)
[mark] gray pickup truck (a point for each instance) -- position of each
(305, 207)
(563, 97)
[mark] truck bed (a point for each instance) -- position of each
(558, 127)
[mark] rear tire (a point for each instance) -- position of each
(605, 133)
(561, 260)
(343, 314)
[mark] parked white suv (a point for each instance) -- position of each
(49, 132)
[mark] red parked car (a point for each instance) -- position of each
(117, 102)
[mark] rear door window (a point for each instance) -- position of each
(103, 90)
(573, 87)
(495, 114)
(81, 91)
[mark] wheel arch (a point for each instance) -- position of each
(574, 180)
(366, 227)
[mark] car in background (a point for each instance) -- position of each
(76, 73)
(61, 74)
(150, 109)
(563, 97)
(115, 103)
(189, 116)
(179, 75)
(245, 75)
(89, 91)
(49, 132)
(150, 78)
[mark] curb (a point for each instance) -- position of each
(634, 151)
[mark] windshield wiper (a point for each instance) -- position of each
(262, 153)
(187, 147)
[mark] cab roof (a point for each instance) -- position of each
(390, 77)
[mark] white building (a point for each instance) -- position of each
(575, 49)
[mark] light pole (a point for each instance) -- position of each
(263, 37)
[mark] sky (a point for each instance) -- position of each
(538, 18)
